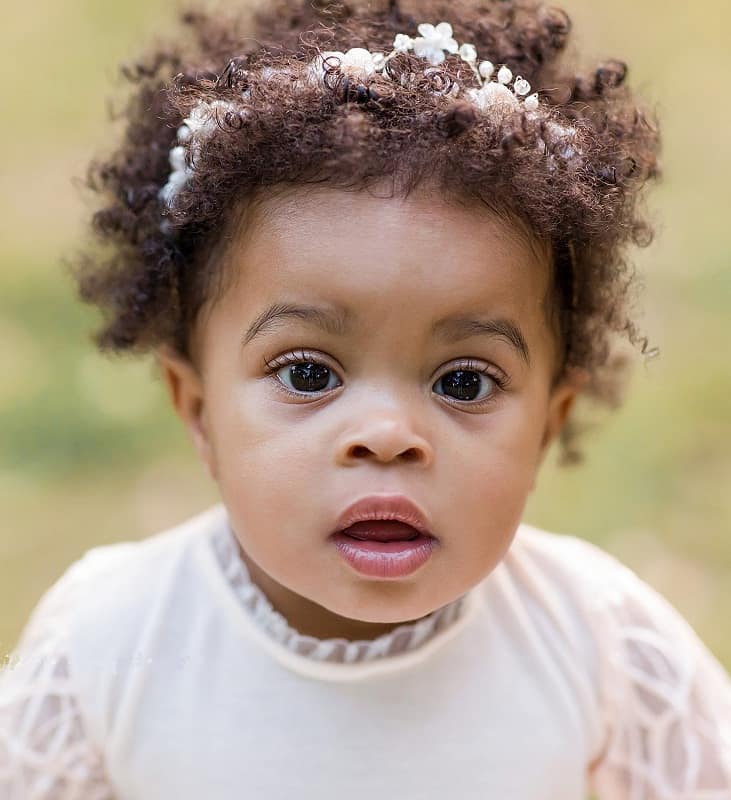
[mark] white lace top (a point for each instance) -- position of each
(157, 669)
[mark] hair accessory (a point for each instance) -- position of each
(201, 122)
(433, 44)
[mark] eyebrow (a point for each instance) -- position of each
(336, 321)
(458, 327)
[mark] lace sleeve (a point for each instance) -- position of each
(667, 701)
(44, 752)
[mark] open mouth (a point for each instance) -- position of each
(381, 530)
(380, 548)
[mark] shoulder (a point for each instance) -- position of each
(554, 589)
(125, 576)
(609, 589)
(107, 591)
(605, 592)
(568, 568)
(571, 594)
(55, 691)
(571, 579)
(653, 671)
(164, 547)
(111, 606)
(582, 571)
(565, 552)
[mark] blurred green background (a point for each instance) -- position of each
(90, 452)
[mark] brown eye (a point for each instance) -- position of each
(307, 376)
(466, 385)
(472, 383)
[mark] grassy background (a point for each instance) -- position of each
(90, 453)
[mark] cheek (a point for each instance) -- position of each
(490, 462)
(506, 438)
(257, 447)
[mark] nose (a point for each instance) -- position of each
(384, 439)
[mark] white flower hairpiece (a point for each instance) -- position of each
(434, 40)
(197, 126)
(433, 43)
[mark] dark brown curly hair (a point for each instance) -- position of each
(160, 263)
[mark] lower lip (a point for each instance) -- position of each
(385, 559)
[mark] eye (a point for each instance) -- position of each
(301, 374)
(469, 383)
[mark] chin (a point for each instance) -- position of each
(387, 610)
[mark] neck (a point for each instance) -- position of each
(309, 618)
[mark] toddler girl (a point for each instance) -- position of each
(378, 251)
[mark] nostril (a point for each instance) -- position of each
(358, 452)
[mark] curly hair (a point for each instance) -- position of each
(158, 264)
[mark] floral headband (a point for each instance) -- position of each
(433, 43)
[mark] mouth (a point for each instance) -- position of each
(384, 536)
(381, 530)
(384, 518)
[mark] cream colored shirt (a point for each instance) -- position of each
(157, 670)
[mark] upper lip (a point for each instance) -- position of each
(385, 507)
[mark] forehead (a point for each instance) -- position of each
(355, 248)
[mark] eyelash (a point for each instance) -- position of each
(499, 378)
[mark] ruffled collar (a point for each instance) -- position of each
(401, 639)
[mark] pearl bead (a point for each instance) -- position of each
(487, 69)
(504, 76)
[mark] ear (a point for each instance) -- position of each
(185, 389)
(562, 399)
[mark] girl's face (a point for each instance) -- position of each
(372, 346)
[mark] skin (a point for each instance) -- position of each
(288, 465)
